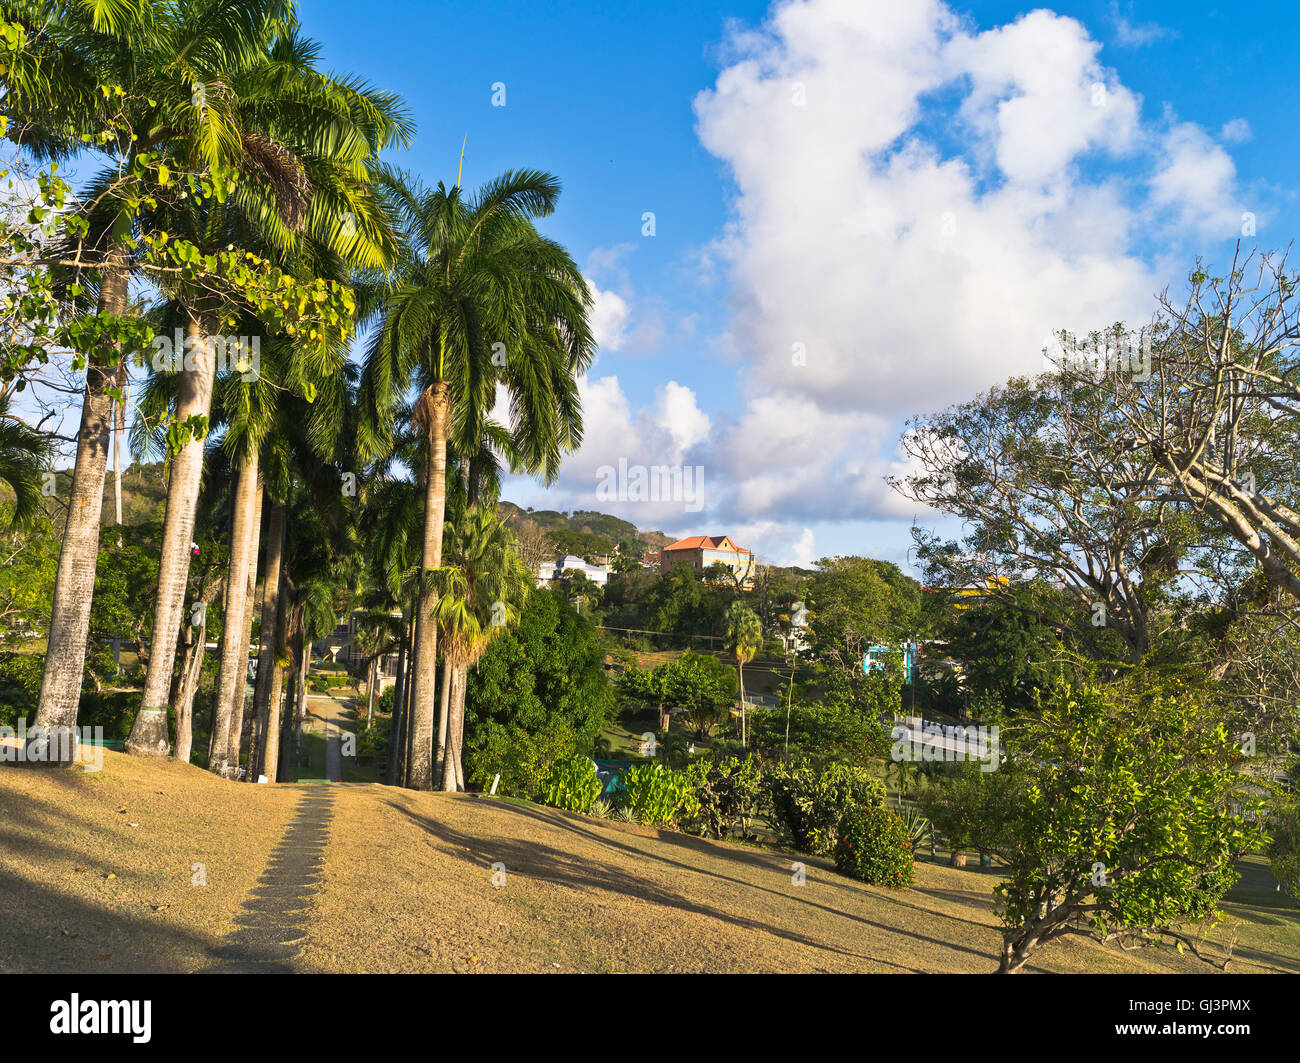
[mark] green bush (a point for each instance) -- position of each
(113, 710)
(659, 795)
(20, 686)
(522, 759)
(808, 803)
(571, 784)
(970, 808)
(729, 792)
(874, 846)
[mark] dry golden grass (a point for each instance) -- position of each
(406, 885)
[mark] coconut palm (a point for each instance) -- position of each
(52, 100)
(744, 638)
(478, 299)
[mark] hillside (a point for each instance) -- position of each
(144, 493)
(97, 873)
(584, 531)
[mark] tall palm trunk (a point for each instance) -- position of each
(193, 399)
(74, 583)
(268, 650)
(191, 670)
(119, 426)
(395, 721)
(453, 774)
(419, 773)
(740, 664)
(232, 620)
(293, 632)
(372, 673)
(240, 692)
(444, 714)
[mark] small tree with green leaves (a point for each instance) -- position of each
(1130, 820)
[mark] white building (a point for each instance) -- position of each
(563, 567)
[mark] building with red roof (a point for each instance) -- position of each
(703, 551)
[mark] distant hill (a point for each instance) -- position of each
(144, 494)
(584, 531)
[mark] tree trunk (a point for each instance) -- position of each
(744, 738)
(370, 693)
(193, 399)
(240, 694)
(453, 775)
(74, 582)
(290, 699)
(232, 621)
(268, 652)
(191, 670)
(119, 426)
(419, 774)
(444, 714)
(395, 721)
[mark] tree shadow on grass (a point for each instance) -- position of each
(48, 929)
(760, 861)
(549, 864)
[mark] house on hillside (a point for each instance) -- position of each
(566, 565)
(342, 646)
(701, 551)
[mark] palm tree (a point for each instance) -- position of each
(52, 100)
(24, 455)
(484, 585)
(478, 299)
(744, 638)
(306, 143)
(153, 51)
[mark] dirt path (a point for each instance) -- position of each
(328, 714)
(273, 921)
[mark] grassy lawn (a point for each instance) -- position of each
(96, 876)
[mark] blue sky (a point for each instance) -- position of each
(951, 186)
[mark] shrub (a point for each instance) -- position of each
(571, 784)
(808, 804)
(522, 759)
(971, 808)
(874, 846)
(20, 685)
(729, 792)
(658, 795)
(919, 829)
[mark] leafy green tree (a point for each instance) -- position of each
(1132, 816)
(701, 687)
(1284, 849)
(540, 683)
(972, 808)
(1004, 653)
(856, 602)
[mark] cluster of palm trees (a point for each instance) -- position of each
(466, 309)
